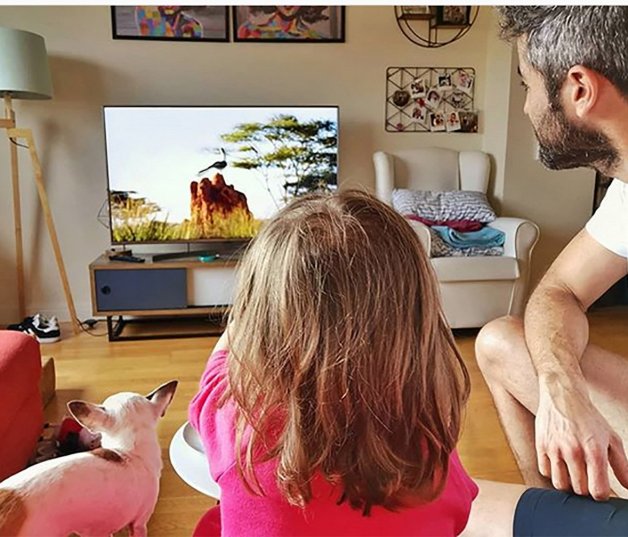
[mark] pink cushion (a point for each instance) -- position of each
(21, 411)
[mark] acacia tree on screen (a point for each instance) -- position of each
(303, 152)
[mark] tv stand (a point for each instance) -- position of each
(141, 294)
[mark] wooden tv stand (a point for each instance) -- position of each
(169, 290)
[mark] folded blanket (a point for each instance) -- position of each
(441, 249)
(486, 237)
(458, 225)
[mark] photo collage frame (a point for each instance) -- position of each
(431, 99)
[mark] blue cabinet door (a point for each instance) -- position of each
(137, 289)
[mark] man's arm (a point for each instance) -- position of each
(574, 442)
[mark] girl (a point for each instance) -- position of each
(333, 403)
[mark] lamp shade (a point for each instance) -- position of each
(24, 71)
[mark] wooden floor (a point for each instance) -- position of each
(91, 368)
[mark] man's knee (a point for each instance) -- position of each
(496, 344)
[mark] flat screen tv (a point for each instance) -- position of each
(198, 174)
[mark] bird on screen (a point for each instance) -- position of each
(219, 164)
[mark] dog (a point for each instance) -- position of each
(98, 492)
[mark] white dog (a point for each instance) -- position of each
(94, 493)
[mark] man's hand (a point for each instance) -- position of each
(575, 444)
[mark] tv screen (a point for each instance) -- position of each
(185, 174)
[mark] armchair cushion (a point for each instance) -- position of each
(465, 205)
(475, 269)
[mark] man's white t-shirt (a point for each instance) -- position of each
(609, 224)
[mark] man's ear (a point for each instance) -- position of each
(162, 396)
(90, 416)
(581, 89)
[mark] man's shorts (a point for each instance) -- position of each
(551, 513)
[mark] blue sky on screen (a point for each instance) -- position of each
(157, 152)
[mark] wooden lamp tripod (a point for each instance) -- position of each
(24, 74)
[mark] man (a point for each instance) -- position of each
(574, 67)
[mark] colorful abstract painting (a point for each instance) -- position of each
(176, 23)
(289, 23)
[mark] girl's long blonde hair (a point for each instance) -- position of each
(340, 346)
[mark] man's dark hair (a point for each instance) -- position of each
(559, 37)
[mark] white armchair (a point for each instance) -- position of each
(474, 290)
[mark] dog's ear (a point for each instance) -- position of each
(90, 416)
(162, 396)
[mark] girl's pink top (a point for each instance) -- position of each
(241, 513)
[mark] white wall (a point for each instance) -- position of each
(90, 69)
(497, 99)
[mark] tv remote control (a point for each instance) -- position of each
(127, 257)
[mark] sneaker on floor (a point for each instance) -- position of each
(41, 328)
(44, 329)
(38, 318)
(18, 327)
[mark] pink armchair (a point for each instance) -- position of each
(21, 410)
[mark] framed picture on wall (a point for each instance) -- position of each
(453, 15)
(171, 23)
(277, 24)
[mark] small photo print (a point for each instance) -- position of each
(418, 88)
(415, 10)
(453, 15)
(420, 114)
(453, 121)
(444, 81)
(458, 99)
(468, 121)
(464, 82)
(433, 99)
(401, 98)
(437, 122)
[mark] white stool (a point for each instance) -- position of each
(190, 463)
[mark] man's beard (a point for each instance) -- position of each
(564, 145)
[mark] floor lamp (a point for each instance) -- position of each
(24, 74)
